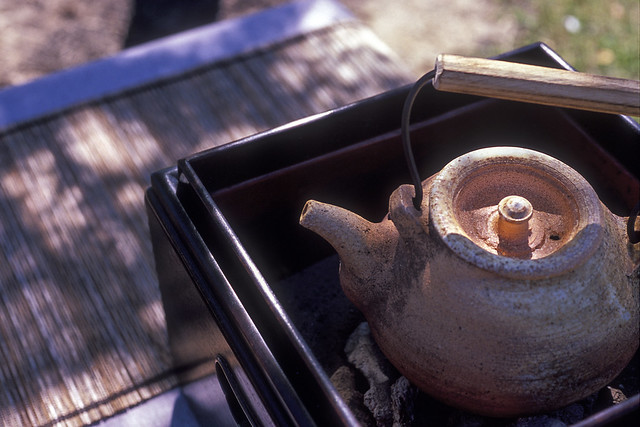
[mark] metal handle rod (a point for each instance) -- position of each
(406, 137)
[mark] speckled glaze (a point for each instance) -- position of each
(481, 311)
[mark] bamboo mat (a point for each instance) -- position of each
(82, 331)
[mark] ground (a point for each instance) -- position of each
(42, 36)
(38, 37)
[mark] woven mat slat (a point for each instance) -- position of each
(27, 263)
(82, 330)
(241, 119)
(66, 226)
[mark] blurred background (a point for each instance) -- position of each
(38, 37)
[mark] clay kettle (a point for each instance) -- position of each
(512, 291)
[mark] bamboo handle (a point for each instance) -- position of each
(540, 85)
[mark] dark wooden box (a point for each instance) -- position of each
(236, 270)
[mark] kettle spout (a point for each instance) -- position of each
(363, 247)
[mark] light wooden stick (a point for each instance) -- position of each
(540, 85)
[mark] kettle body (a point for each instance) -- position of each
(513, 290)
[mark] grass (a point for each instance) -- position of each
(595, 36)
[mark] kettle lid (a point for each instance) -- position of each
(517, 212)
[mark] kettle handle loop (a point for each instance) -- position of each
(634, 235)
(406, 137)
